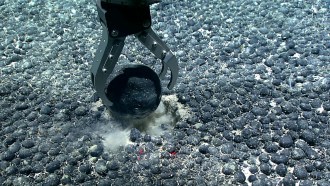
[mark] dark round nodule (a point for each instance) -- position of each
(135, 91)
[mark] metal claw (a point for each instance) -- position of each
(169, 62)
(119, 21)
(107, 56)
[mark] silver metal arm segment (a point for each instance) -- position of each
(169, 62)
(105, 60)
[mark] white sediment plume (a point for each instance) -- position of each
(116, 138)
(162, 119)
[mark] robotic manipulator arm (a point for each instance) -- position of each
(120, 18)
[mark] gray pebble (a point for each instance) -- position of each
(135, 134)
(229, 168)
(300, 172)
(53, 166)
(204, 149)
(265, 168)
(24, 153)
(8, 156)
(85, 168)
(113, 165)
(239, 177)
(101, 167)
(28, 143)
(216, 142)
(193, 140)
(52, 180)
(155, 170)
(11, 170)
(22, 180)
(309, 137)
(279, 158)
(227, 148)
(286, 141)
(281, 170)
(297, 154)
(271, 147)
(96, 150)
(45, 110)
(80, 111)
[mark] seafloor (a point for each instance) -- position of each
(251, 106)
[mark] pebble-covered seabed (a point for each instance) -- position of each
(251, 106)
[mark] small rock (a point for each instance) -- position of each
(239, 177)
(311, 153)
(309, 137)
(309, 167)
(297, 154)
(257, 111)
(287, 107)
(253, 169)
(288, 180)
(252, 178)
(15, 147)
(53, 166)
(281, 170)
(15, 58)
(11, 170)
(101, 167)
(305, 107)
(85, 168)
(28, 143)
(305, 183)
(24, 153)
(193, 140)
(271, 147)
(96, 150)
(204, 149)
(264, 158)
(7, 156)
(54, 151)
(227, 148)
(252, 143)
(265, 168)
(21, 106)
(319, 165)
(166, 175)
(37, 168)
(279, 158)
(286, 141)
(66, 180)
(52, 180)
(113, 165)
(9, 140)
(147, 138)
(45, 110)
(22, 180)
(155, 170)
(323, 183)
(229, 168)
(300, 172)
(134, 135)
(25, 169)
(80, 111)
(216, 142)
(317, 175)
